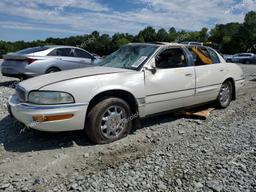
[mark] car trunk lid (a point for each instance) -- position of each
(16, 59)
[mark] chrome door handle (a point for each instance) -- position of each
(188, 74)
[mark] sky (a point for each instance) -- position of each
(39, 19)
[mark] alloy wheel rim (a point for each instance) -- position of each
(113, 121)
(225, 93)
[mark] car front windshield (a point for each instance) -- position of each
(129, 56)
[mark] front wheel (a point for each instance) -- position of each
(225, 95)
(108, 121)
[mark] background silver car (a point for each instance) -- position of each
(35, 61)
(245, 58)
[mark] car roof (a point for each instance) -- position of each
(60, 46)
(165, 44)
(160, 44)
(246, 53)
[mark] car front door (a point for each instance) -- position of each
(65, 58)
(172, 84)
(83, 58)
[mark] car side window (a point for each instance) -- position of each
(201, 56)
(82, 54)
(171, 58)
(214, 56)
(63, 52)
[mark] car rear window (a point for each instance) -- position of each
(32, 50)
(201, 55)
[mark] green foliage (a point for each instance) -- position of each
(172, 34)
(231, 37)
(162, 35)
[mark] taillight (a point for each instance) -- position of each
(30, 60)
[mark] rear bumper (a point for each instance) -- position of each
(18, 75)
(16, 72)
(14, 75)
(24, 113)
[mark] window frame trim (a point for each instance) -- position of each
(90, 55)
(208, 48)
(188, 62)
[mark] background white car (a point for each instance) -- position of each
(35, 61)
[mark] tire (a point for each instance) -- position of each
(108, 121)
(225, 95)
(52, 70)
(22, 78)
(247, 62)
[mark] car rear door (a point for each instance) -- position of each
(172, 85)
(209, 76)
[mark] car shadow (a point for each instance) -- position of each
(10, 84)
(159, 119)
(17, 138)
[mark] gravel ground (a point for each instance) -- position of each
(169, 153)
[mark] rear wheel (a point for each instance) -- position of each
(247, 62)
(52, 70)
(225, 94)
(108, 121)
(22, 78)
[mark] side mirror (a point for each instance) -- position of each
(93, 58)
(151, 68)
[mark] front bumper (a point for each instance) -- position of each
(239, 85)
(24, 113)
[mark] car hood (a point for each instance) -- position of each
(44, 80)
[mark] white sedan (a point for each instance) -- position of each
(137, 81)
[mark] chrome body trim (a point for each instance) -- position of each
(14, 102)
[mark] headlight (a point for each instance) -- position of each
(50, 97)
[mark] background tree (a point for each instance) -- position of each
(248, 31)
(162, 35)
(203, 35)
(227, 36)
(172, 34)
(149, 34)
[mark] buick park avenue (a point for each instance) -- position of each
(136, 81)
